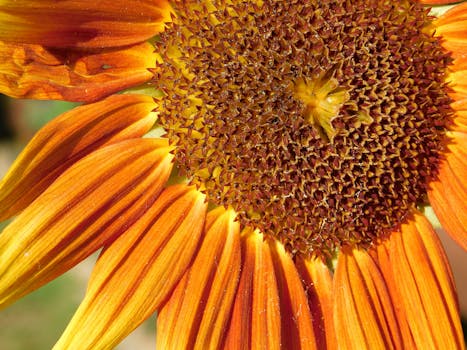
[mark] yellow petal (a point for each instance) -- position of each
(82, 23)
(68, 138)
(137, 272)
(363, 311)
(425, 288)
(297, 323)
(448, 193)
(32, 71)
(256, 318)
(318, 281)
(90, 204)
(196, 315)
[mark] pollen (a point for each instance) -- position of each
(319, 122)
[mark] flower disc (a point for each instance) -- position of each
(319, 122)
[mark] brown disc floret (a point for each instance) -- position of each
(319, 122)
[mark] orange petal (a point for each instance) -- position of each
(452, 27)
(137, 272)
(448, 193)
(460, 118)
(425, 289)
(90, 204)
(32, 71)
(196, 315)
(68, 138)
(82, 23)
(437, 2)
(256, 319)
(458, 82)
(297, 323)
(363, 311)
(318, 281)
(381, 255)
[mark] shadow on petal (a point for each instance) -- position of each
(33, 71)
(197, 314)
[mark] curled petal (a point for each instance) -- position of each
(197, 313)
(68, 138)
(256, 318)
(424, 287)
(82, 23)
(83, 209)
(137, 272)
(363, 311)
(448, 193)
(297, 322)
(32, 71)
(318, 285)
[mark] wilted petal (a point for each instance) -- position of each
(32, 71)
(424, 286)
(363, 310)
(68, 138)
(297, 323)
(136, 273)
(318, 281)
(197, 313)
(83, 209)
(82, 23)
(256, 318)
(448, 193)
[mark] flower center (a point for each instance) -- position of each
(319, 122)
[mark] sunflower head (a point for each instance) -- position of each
(320, 124)
(308, 136)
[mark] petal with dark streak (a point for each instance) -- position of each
(68, 138)
(89, 205)
(138, 271)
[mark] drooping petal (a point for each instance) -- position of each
(452, 27)
(318, 281)
(197, 313)
(297, 322)
(68, 138)
(448, 193)
(136, 273)
(363, 311)
(424, 287)
(90, 204)
(32, 71)
(256, 318)
(82, 23)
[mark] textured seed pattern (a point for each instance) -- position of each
(228, 72)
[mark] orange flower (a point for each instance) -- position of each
(314, 132)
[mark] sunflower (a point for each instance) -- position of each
(260, 180)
